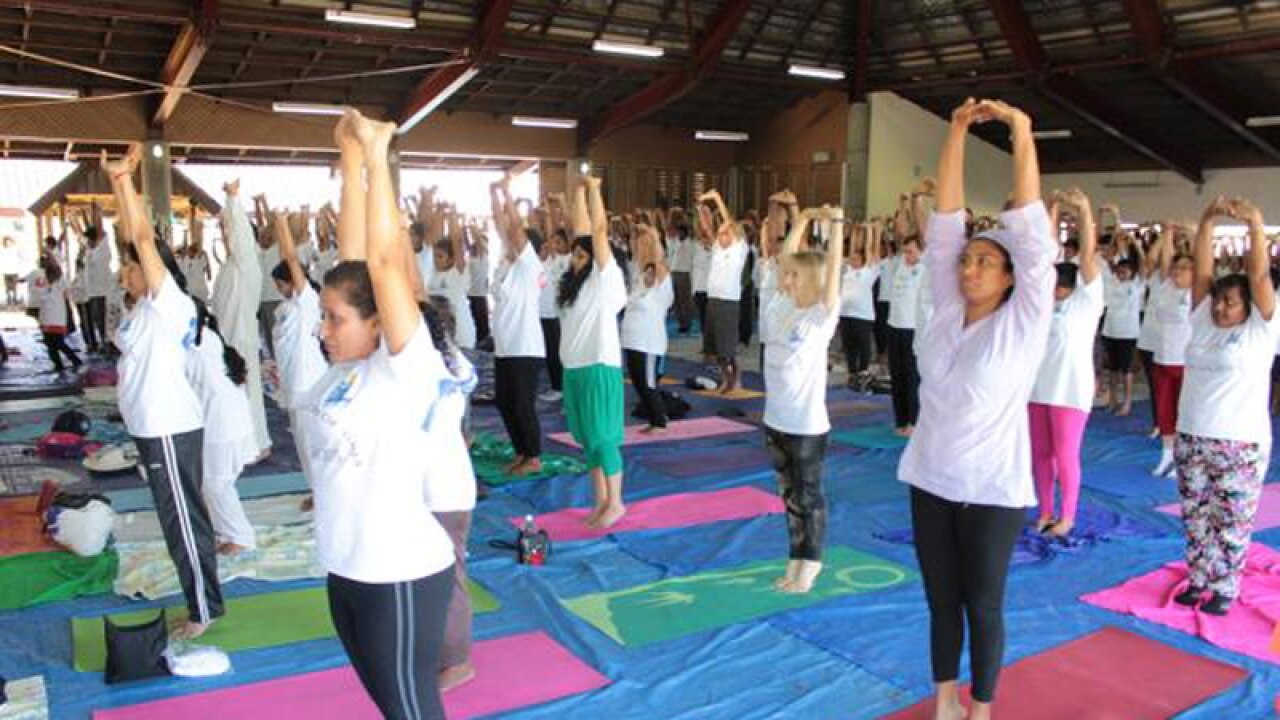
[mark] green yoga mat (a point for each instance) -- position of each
(489, 456)
(44, 577)
(873, 437)
(253, 621)
(677, 607)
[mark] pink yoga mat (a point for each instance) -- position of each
(668, 511)
(1268, 515)
(676, 430)
(1246, 629)
(1107, 674)
(511, 672)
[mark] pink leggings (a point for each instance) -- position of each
(1056, 433)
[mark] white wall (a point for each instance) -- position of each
(905, 142)
(1169, 196)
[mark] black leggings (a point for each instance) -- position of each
(882, 323)
(551, 337)
(480, 315)
(906, 380)
(798, 461)
(515, 392)
(56, 344)
(96, 333)
(964, 553)
(856, 336)
(1149, 369)
(645, 373)
(700, 301)
(392, 632)
(173, 467)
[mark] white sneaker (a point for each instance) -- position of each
(551, 396)
(1164, 469)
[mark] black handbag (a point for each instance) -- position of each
(135, 652)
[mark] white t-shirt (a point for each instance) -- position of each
(1066, 376)
(363, 423)
(589, 327)
(856, 297)
(450, 480)
(97, 264)
(426, 264)
(53, 304)
(1149, 332)
(307, 255)
(297, 345)
(888, 270)
(155, 398)
(554, 266)
(478, 270)
(36, 285)
(1173, 311)
(795, 365)
(325, 260)
(225, 405)
(193, 269)
(517, 331)
(1124, 309)
(452, 285)
(1227, 387)
(644, 326)
(701, 266)
(681, 252)
(972, 443)
(77, 289)
(268, 258)
(724, 275)
(904, 301)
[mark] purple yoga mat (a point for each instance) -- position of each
(709, 462)
(511, 672)
(677, 430)
(1268, 515)
(668, 511)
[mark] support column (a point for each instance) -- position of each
(856, 181)
(157, 185)
(393, 165)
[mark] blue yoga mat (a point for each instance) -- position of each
(1094, 524)
(135, 499)
(872, 437)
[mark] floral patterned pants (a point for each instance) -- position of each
(1220, 482)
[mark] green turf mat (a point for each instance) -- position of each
(44, 577)
(872, 437)
(252, 621)
(676, 607)
(490, 455)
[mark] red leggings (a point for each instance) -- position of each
(1168, 379)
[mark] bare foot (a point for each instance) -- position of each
(230, 549)
(190, 630)
(609, 516)
(1062, 528)
(806, 575)
(593, 518)
(654, 430)
(784, 583)
(531, 466)
(1044, 524)
(460, 674)
(903, 431)
(949, 711)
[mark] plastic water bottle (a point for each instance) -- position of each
(533, 543)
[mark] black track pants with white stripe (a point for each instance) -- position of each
(393, 633)
(172, 466)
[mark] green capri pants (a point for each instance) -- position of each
(594, 405)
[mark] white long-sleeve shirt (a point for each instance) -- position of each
(972, 443)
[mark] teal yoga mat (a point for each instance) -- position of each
(681, 606)
(872, 437)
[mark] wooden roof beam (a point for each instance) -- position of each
(1188, 80)
(485, 41)
(672, 86)
(1076, 96)
(184, 58)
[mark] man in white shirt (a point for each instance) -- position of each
(681, 248)
(98, 282)
(268, 258)
(724, 291)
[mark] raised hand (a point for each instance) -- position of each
(967, 114)
(1001, 112)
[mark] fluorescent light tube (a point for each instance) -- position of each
(307, 108)
(352, 17)
(439, 99)
(32, 91)
(721, 136)
(816, 72)
(1051, 134)
(618, 48)
(1263, 121)
(544, 122)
